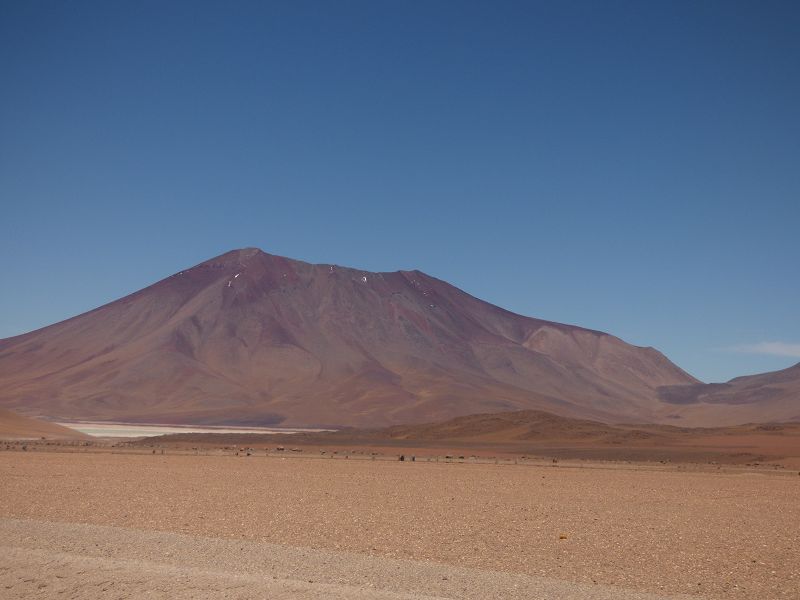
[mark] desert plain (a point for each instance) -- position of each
(117, 520)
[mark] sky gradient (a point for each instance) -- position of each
(632, 167)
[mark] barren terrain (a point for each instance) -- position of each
(535, 433)
(100, 524)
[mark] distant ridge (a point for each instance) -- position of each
(252, 338)
(765, 397)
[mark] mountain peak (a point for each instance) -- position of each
(236, 256)
(252, 337)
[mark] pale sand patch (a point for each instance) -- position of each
(137, 430)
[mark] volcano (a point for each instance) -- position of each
(252, 338)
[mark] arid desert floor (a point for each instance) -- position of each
(124, 525)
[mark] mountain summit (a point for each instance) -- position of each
(252, 338)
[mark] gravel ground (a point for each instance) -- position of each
(666, 532)
(94, 561)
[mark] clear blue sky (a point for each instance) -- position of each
(632, 167)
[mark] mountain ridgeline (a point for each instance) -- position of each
(252, 338)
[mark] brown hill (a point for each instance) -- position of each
(507, 427)
(478, 429)
(251, 338)
(527, 433)
(14, 426)
(502, 428)
(773, 396)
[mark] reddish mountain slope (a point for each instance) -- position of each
(249, 337)
(773, 396)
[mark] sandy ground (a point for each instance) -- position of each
(122, 525)
(138, 430)
(94, 561)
